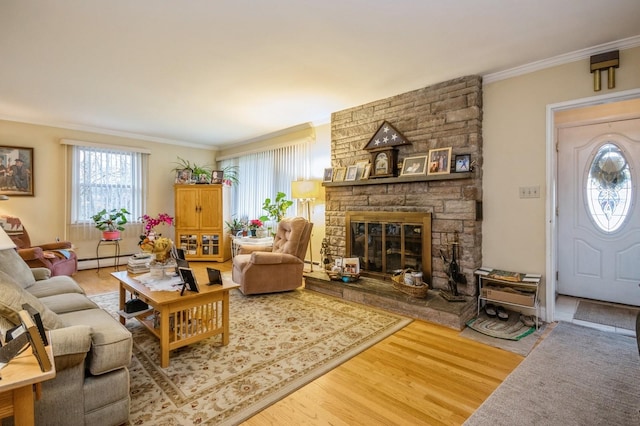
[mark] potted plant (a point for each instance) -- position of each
(277, 208)
(111, 222)
(196, 170)
(235, 225)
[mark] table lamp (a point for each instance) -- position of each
(306, 191)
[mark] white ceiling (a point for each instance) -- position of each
(221, 72)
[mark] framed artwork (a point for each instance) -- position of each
(352, 173)
(339, 174)
(328, 175)
(203, 178)
(217, 176)
(439, 161)
(413, 166)
(367, 171)
(463, 163)
(16, 171)
(183, 176)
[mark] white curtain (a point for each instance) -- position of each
(263, 174)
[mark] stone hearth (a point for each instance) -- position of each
(381, 294)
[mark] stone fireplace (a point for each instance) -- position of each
(445, 115)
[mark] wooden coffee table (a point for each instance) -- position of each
(183, 320)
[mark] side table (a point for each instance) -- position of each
(20, 386)
(115, 243)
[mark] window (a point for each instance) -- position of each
(608, 189)
(106, 178)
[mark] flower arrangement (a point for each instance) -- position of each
(255, 224)
(153, 242)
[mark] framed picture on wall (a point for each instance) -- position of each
(16, 171)
(439, 161)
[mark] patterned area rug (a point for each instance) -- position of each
(278, 343)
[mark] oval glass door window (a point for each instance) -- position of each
(608, 188)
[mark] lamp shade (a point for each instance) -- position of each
(305, 189)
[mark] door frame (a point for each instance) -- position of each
(551, 245)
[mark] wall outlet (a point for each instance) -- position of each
(530, 191)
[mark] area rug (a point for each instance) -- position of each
(575, 376)
(521, 346)
(512, 329)
(278, 343)
(606, 314)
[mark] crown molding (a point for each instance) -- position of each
(627, 43)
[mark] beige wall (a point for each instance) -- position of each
(515, 155)
(44, 214)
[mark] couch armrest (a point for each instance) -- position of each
(32, 253)
(269, 258)
(70, 345)
(41, 273)
(60, 245)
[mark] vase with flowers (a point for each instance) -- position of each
(254, 225)
(152, 241)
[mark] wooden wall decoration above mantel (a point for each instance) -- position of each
(384, 154)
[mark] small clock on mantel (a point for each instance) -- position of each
(383, 151)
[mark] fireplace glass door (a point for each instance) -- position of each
(386, 246)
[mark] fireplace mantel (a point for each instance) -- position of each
(400, 179)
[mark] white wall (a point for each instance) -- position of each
(515, 153)
(44, 214)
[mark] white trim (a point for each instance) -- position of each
(551, 249)
(106, 146)
(627, 43)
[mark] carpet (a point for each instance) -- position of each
(278, 343)
(606, 314)
(512, 329)
(575, 376)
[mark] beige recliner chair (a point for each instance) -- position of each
(279, 269)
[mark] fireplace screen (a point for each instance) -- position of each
(388, 241)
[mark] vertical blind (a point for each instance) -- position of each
(263, 174)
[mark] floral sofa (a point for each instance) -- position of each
(91, 349)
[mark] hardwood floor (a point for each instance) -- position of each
(424, 374)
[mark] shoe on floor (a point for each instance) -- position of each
(528, 320)
(490, 309)
(502, 313)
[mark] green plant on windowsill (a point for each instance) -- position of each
(277, 208)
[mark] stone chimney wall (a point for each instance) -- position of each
(447, 114)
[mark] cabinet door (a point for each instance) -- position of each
(187, 208)
(211, 244)
(188, 242)
(210, 207)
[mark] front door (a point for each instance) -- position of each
(599, 211)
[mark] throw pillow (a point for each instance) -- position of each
(12, 296)
(12, 263)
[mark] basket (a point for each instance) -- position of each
(417, 291)
(347, 278)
